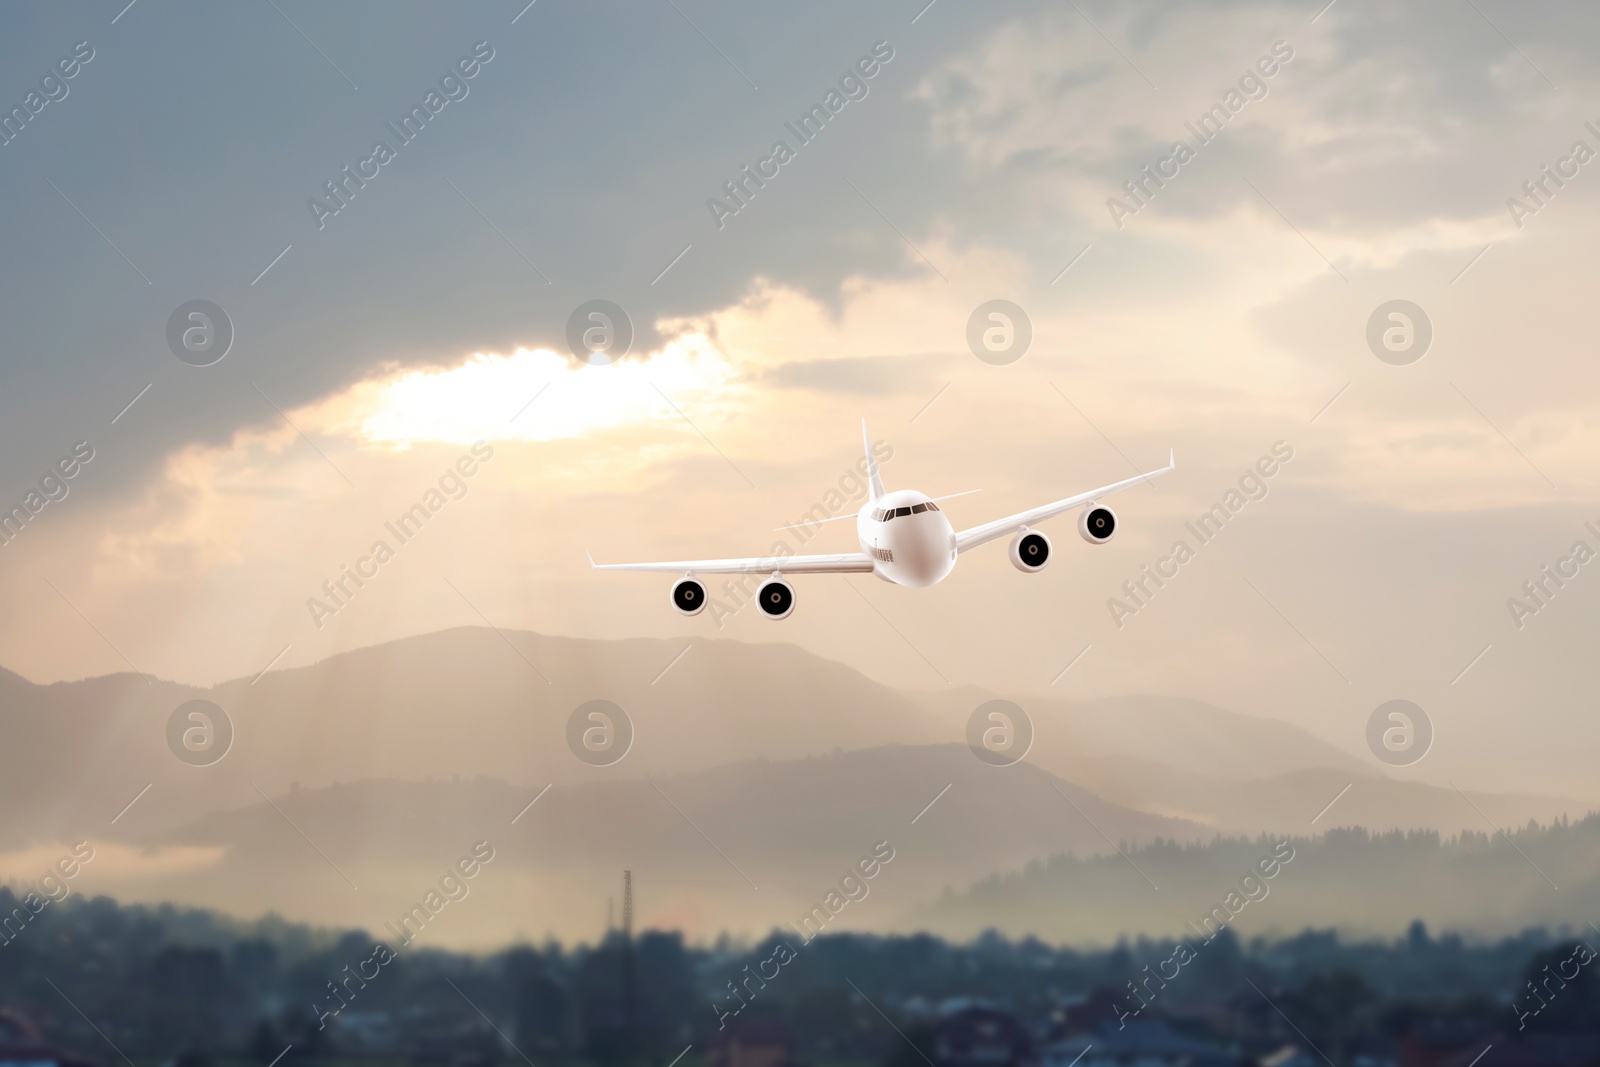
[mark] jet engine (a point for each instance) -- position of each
(1097, 525)
(775, 598)
(1030, 551)
(689, 596)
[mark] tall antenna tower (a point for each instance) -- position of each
(627, 952)
(627, 905)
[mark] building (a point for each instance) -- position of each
(752, 1043)
(1453, 1043)
(980, 1036)
(22, 1046)
(1138, 1043)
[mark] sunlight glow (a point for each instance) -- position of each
(534, 395)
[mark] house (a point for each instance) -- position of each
(22, 1046)
(1463, 1044)
(981, 1036)
(1136, 1043)
(752, 1043)
(1546, 1050)
(1289, 1056)
(1084, 1012)
(1446, 1043)
(462, 1046)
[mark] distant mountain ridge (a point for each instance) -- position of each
(741, 847)
(475, 701)
(757, 773)
(1488, 884)
(1178, 732)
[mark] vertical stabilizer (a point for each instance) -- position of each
(873, 481)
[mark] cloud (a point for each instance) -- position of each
(979, 167)
(876, 376)
(526, 396)
(111, 861)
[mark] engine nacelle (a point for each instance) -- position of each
(775, 598)
(689, 596)
(1030, 551)
(1097, 525)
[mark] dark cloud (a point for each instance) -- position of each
(588, 148)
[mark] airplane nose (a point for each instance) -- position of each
(926, 557)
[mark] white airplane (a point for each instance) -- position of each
(904, 538)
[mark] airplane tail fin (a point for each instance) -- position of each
(875, 482)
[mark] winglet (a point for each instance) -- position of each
(1172, 458)
(592, 563)
(875, 482)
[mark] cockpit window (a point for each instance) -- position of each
(895, 513)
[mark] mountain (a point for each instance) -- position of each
(475, 702)
(1360, 883)
(747, 847)
(1235, 773)
(1179, 733)
(757, 775)
(461, 702)
(743, 847)
(1286, 803)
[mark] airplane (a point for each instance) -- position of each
(904, 539)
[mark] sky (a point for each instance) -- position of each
(1222, 314)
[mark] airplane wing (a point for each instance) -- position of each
(840, 563)
(989, 531)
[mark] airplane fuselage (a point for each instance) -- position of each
(907, 537)
(904, 538)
